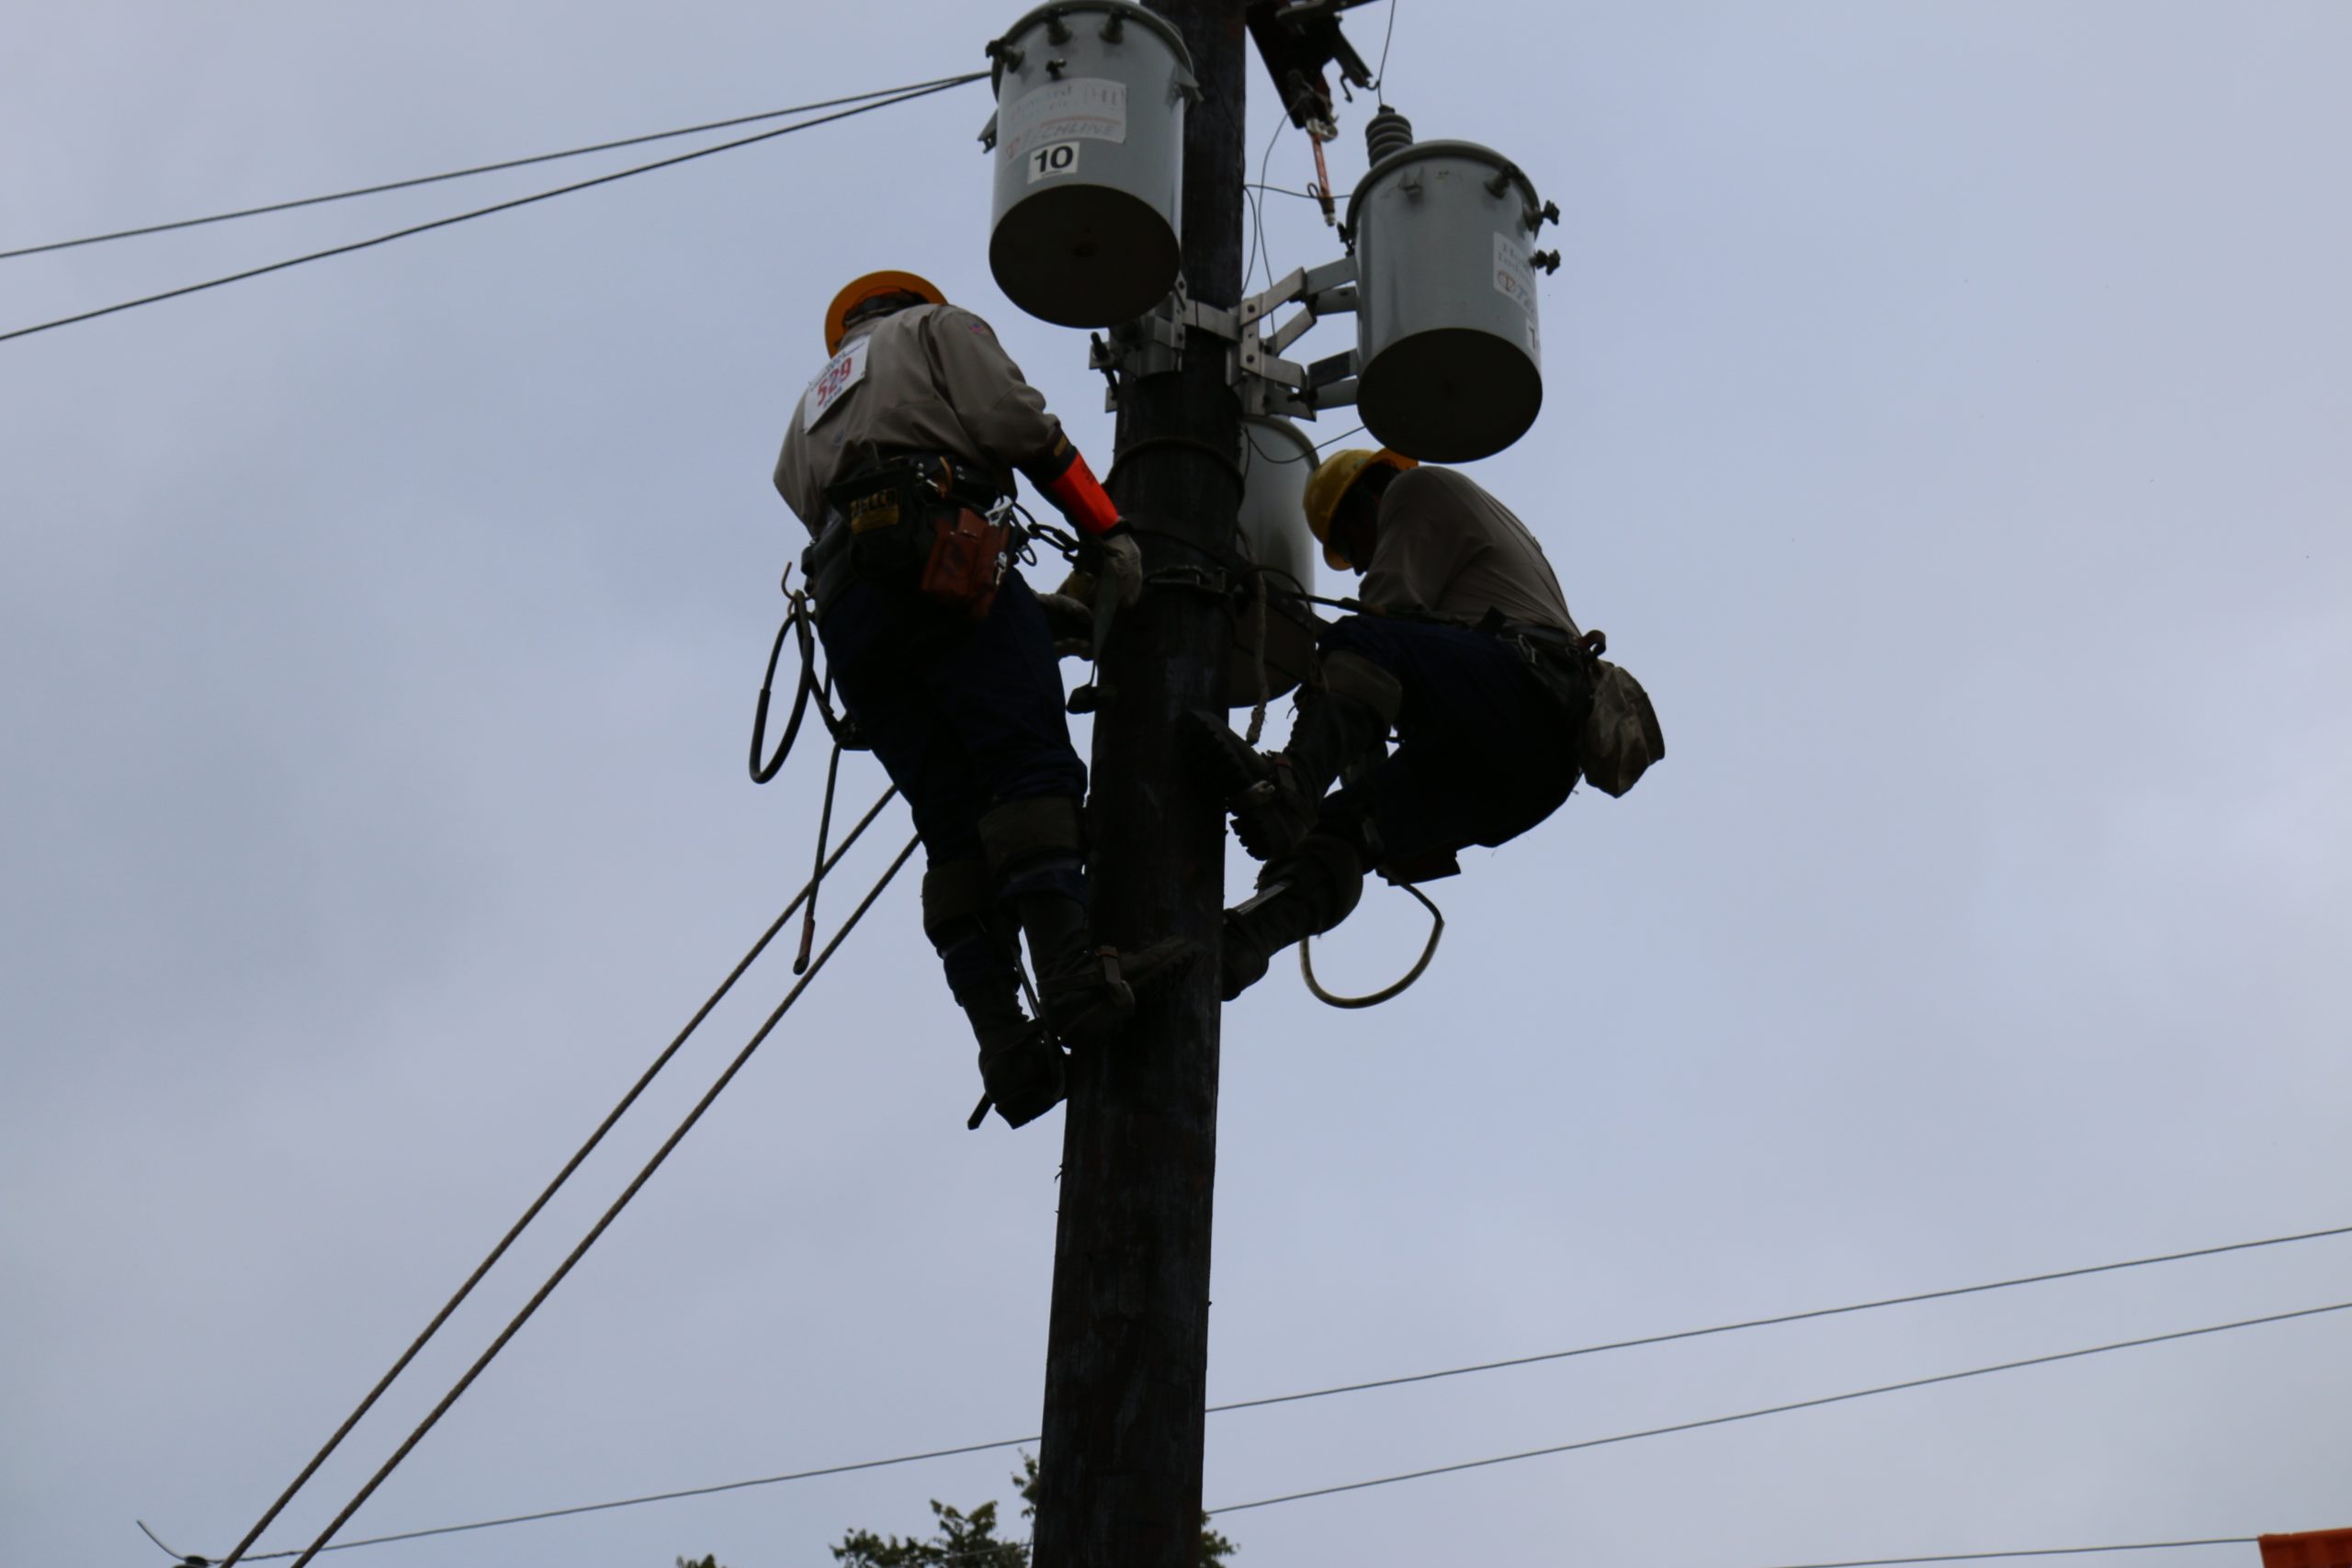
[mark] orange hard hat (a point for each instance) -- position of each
(864, 288)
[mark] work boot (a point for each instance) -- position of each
(1090, 992)
(1276, 796)
(1022, 1070)
(1303, 894)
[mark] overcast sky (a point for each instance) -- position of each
(1946, 415)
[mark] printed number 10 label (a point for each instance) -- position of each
(1061, 158)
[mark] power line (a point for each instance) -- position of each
(904, 96)
(1793, 1317)
(1001, 1443)
(2030, 1551)
(1893, 1562)
(463, 174)
(637, 1184)
(540, 1202)
(1774, 1409)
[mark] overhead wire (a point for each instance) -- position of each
(669, 1144)
(2030, 1551)
(1776, 1409)
(907, 95)
(570, 1166)
(1257, 204)
(1002, 1443)
(1873, 1562)
(467, 173)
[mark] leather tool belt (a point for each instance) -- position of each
(1560, 661)
(1616, 728)
(914, 523)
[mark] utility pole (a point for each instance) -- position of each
(1126, 1367)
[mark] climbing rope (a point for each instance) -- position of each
(1386, 993)
(562, 1176)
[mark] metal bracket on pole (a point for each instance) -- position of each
(1269, 384)
(1154, 343)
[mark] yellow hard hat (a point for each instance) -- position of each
(1331, 480)
(866, 288)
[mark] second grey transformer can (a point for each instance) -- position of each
(1448, 338)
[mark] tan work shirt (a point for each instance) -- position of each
(928, 379)
(1447, 546)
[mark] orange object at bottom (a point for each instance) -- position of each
(966, 563)
(2311, 1548)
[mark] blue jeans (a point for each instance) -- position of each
(1484, 751)
(962, 715)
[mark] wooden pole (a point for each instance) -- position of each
(1126, 1367)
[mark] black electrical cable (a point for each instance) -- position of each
(2030, 1551)
(1257, 204)
(464, 173)
(1776, 1409)
(1380, 78)
(1337, 439)
(610, 1214)
(1805, 1316)
(1881, 1562)
(1361, 1387)
(561, 1176)
(495, 207)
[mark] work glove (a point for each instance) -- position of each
(1110, 562)
(1069, 617)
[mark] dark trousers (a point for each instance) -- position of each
(963, 715)
(1483, 749)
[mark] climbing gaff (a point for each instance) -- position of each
(1088, 143)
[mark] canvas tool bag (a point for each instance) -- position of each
(1621, 737)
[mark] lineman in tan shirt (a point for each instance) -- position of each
(915, 427)
(1467, 648)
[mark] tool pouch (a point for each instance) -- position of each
(1620, 737)
(883, 535)
(887, 509)
(966, 561)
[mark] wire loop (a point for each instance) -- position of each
(1386, 993)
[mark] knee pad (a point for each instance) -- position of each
(1351, 676)
(1035, 845)
(956, 900)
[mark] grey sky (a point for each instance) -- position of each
(1946, 413)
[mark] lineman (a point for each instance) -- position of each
(1467, 648)
(894, 454)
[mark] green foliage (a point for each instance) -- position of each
(969, 1540)
(710, 1562)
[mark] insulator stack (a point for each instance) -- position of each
(1387, 132)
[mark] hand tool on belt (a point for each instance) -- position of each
(912, 521)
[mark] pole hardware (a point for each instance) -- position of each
(1273, 386)
(1270, 386)
(1154, 343)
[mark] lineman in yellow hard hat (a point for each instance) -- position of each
(897, 459)
(1466, 648)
